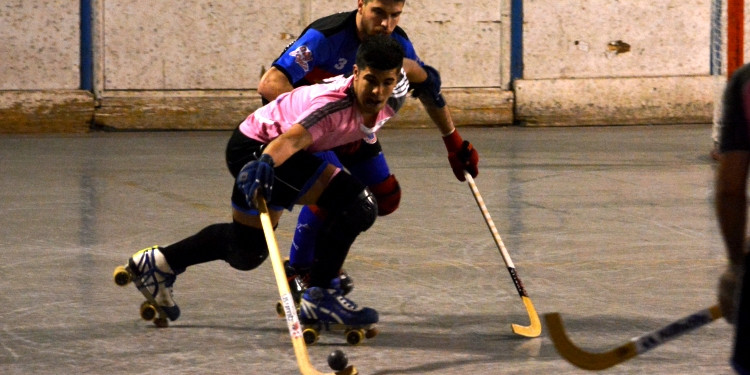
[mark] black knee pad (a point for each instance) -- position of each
(247, 247)
(351, 209)
(350, 205)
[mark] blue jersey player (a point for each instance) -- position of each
(326, 48)
(731, 210)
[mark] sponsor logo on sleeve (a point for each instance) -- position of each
(302, 56)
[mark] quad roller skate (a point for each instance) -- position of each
(327, 309)
(298, 281)
(152, 276)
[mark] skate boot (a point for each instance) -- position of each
(328, 309)
(298, 280)
(153, 277)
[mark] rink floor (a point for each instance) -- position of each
(613, 227)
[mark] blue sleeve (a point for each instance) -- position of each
(308, 51)
(409, 51)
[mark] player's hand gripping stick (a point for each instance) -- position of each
(461, 155)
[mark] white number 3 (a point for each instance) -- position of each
(341, 64)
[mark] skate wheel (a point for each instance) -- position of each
(372, 332)
(310, 335)
(280, 309)
(161, 322)
(355, 336)
(148, 311)
(121, 276)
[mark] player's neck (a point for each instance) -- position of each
(369, 119)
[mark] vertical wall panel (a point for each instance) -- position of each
(39, 45)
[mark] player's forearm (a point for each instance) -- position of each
(273, 83)
(287, 144)
(441, 117)
(731, 211)
(731, 202)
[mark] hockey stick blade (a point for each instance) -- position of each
(535, 328)
(638, 345)
(295, 329)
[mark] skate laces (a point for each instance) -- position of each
(320, 296)
(345, 302)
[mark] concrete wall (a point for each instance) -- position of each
(39, 68)
(224, 47)
(195, 64)
(609, 61)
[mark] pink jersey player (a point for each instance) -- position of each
(273, 154)
(328, 111)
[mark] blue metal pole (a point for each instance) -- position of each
(516, 40)
(87, 48)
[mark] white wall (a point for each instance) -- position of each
(204, 44)
(570, 38)
(39, 45)
(196, 63)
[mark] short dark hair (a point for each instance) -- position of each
(380, 52)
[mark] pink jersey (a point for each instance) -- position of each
(327, 110)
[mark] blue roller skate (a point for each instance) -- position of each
(328, 309)
(299, 279)
(153, 277)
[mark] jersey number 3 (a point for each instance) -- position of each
(341, 64)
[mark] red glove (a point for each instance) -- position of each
(461, 155)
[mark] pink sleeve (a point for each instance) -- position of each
(320, 122)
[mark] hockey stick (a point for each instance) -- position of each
(535, 328)
(292, 320)
(637, 345)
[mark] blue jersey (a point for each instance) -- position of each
(327, 48)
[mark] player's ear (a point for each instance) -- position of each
(355, 69)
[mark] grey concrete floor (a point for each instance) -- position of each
(612, 227)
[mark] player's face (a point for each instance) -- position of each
(379, 16)
(373, 87)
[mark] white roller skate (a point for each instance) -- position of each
(327, 309)
(153, 277)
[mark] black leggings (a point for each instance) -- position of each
(243, 247)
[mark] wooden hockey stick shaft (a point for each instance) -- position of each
(535, 328)
(295, 328)
(637, 345)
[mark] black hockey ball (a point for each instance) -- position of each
(337, 360)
